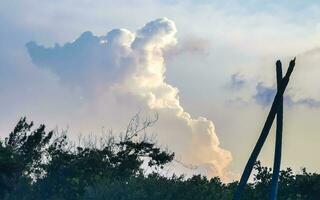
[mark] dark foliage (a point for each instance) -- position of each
(38, 165)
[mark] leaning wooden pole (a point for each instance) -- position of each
(264, 132)
(278, 145)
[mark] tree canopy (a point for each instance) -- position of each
(39, 164)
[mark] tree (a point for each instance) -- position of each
(74, 168)
(37, 165)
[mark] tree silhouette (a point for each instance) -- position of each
(38, 165)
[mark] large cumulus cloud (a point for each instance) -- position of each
(126, 70)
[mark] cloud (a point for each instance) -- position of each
(237, 81)
(191, 46)
(264, 96)
(125, 71)
(85, 61)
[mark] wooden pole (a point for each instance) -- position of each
(264, 133)
(278, 145)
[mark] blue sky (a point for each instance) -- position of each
(222, 64)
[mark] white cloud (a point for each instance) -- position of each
(142, 86)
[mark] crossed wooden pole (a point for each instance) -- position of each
(276, 109)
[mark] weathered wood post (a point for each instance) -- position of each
(264, 133)
(278, 145)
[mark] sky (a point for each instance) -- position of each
(207, 68)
